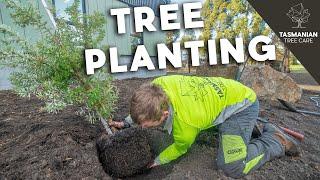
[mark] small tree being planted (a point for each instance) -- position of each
(52, 67)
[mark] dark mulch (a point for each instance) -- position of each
(35, 144)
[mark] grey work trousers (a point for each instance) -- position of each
(238, 154)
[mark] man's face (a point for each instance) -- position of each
(152, 123)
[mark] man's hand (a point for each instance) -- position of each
(152, 165)
(116, 124)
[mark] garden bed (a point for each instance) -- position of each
(36, 144)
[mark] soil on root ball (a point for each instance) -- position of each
(128, 152)
(125, 153)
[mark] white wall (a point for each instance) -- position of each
(4, 79)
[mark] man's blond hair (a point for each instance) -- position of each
(148, 103)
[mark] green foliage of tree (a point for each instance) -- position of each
(230, 19)
(283, 54)
(172, 36)
(53, 67)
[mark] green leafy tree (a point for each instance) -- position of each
(52, 68)
(172, 36)
(284, 55)
(230, 19)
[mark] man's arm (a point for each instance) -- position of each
(184, 136)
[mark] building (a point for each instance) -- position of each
(27, 32)
(125, 42)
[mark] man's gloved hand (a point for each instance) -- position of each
(153, 164)
(120, 124)
(116, 124)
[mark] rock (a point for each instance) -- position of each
(227, 71)
(271, 84)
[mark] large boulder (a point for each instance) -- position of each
(271, 84)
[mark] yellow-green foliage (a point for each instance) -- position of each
(230, 19)
(53, 67)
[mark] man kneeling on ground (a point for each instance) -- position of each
(186, 105)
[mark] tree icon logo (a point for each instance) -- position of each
(298, 14)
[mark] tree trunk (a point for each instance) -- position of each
(106, 126)
(285, 61)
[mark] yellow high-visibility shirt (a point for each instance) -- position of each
(200, 103)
